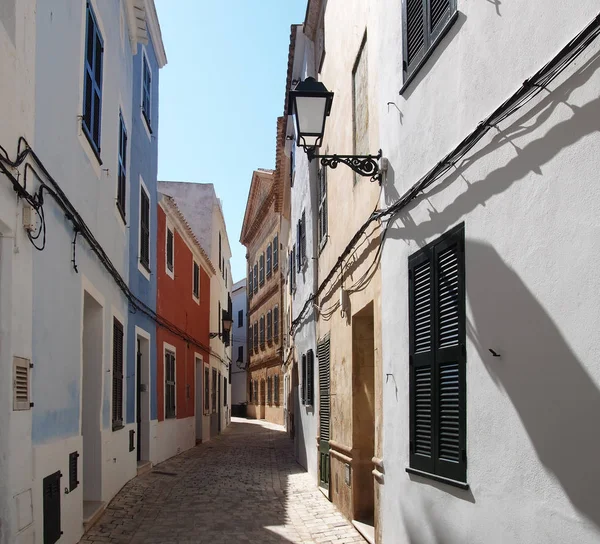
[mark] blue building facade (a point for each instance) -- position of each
(141, 405)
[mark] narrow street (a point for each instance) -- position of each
(242, 486)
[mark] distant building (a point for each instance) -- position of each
(203, 212)
(184, 274)
(239, 355)
(261, 231)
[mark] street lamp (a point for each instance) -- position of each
(227, 322)
(310, 103)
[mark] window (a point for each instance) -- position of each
(292, 163)
(92, 81)
(219, 316)
(169, 384)
(360, 103)
(269, 326)
(240, 318)
(196, 281)
(255, 391)
(21, 384)
(425, 23)
(117, 377)
(250, 340)
(303, 386)
(269, 390)
(437, 358)
(255, 278)
(240, 357)
(309, 377)
(261, 269)
(322, 186)
(276, 389)
(276, 324)
(170, 250)
(214, 390)
(144, 229)
(255, 337)
(292, 271)
(224, 391)
(206, 389)
(262, 331)
(122, 168)
(301, 241)
(269, 260)
(275, 252)
(220, 253)
(250, 284)
(147, 93)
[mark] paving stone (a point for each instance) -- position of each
(243, 486)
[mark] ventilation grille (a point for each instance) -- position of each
(439, 8)
(21, 384)
(73, 469)
(422, 308)
(448, 326)
(423, 411)
(414, 28)
(449, 445)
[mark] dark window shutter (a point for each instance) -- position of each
(414, 31)
(255, 279)
(170, 249)
(269, 326)
(437, 358)
(303, 232)
(269, 259)
(439, 13)
(304, 380)
(196, 280)
(51, 506)
(310, 372)
(73, 470)
(275, 252)
(276, 323)
(117, 411)
(145, 230)
(299, 246)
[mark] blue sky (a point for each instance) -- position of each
(220, 95)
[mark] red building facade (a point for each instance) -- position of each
(183, 299)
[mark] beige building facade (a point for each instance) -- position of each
(348, 303)
(261, 235)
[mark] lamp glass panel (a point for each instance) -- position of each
(310, 114)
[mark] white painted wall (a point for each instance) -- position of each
(17, 110)
(172, 436)
(304, 199)
(529, 199)
(239, 384)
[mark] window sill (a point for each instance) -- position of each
(323, 243)
(147, 123)
(145, 271)
(431, 49)
(117, 427)
(93, 147)
(442, 479)
(121, 213)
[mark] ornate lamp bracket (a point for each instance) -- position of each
(363, 165)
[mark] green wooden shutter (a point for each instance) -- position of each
(303, 388)
(450, 447)
(310, 373)
(422, 421)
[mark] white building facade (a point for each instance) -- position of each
(239, 355)
(17, 110)
(489, 284)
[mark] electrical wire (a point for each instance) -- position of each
(527, 92)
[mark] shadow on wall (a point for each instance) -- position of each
(529, 159)
(556, 399)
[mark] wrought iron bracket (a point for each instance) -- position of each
(363, 165)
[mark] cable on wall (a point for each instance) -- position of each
(527, 92)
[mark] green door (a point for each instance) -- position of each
(324, 411)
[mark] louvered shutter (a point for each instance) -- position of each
(414, 35)
(170, 249)
(450, 357)
(422, 420)
(51, 508)
(324, 388)
(437, 358)
(117, 419)
(439, 14)
(310, 375)
(303, 388)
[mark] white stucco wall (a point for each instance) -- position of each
(528, 197)
(17, 110)
(304, 199)
(239, 385)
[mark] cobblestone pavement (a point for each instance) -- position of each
(242, 486)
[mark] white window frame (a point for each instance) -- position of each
(170, 273)
(196, 299)
(145, 59)
(206, 411)
(141, 267)
(172, 349)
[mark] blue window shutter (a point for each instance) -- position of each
(92, 81)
